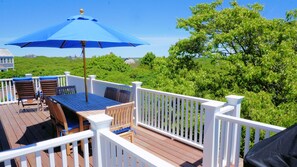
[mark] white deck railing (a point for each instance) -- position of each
(120, 152)
(108, 149)
(8, 92)
(95, 86)
(49, 145)
(215, 127)
(230, 137)
(248, 133)
(100, 86)
(177, 116)
(78, 82)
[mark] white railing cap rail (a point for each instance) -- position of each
(43, 145)
(6, 79)
(178, 95)
(114, 83)
(35, 77)
(74, 76)
(250, 123)
(226, 109)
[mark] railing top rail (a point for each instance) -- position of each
(6, 79)
(250, 123)
(74, 76)
(118, 84)
(226, 109)
(43, 145)
(178, 95)
(35, 77)
(137, 151)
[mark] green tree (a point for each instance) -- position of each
(250, 53)
(148, 59)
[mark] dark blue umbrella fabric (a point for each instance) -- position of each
(78, 32)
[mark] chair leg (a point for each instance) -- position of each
(68, 149)
(58, 133)
(54, 130)
(40, 103)
(132, 137)
(22, 103)
(67, 146)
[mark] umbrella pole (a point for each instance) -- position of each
(83, 43)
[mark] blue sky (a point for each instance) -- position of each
(151, 20)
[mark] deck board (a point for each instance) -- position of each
(21, 127)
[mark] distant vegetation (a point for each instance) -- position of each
(230, 51)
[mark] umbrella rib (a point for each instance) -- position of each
(26, 44)
(131, 44)
(63, 43)
(99, 44)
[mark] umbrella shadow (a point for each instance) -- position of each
(4, 144)
(36, 133)
(41, 132)
(194, 164)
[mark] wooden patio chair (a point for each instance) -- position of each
(52, 116)
(26, 92)
(48, 87)
(111, 93)
(122, 122)
(64, 126)
(124, 96)
(63, 90)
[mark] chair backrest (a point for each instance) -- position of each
(111, 93)
(63, 90)
(25, 89)
(49, 87)
(57, 111)
(124, 96)
(51, 109)
(122, 115)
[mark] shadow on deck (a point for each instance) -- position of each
(21, 127)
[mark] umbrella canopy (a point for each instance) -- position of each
(78, 32)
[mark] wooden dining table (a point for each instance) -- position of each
(77, 104)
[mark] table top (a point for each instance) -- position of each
(77, 102)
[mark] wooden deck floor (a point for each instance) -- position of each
(21, 127)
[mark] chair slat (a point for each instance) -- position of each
(123, 118)
(26, 91)
(71, 89)
(111, 93)
(124, 96)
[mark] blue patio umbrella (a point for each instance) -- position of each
(78, 32)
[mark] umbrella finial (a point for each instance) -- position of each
(81, 11)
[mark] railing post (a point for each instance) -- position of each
(92, 78)
(235, 101)
(136, 98)
(99, 123)
(28, 75)
(67, 73)
(210, 133)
